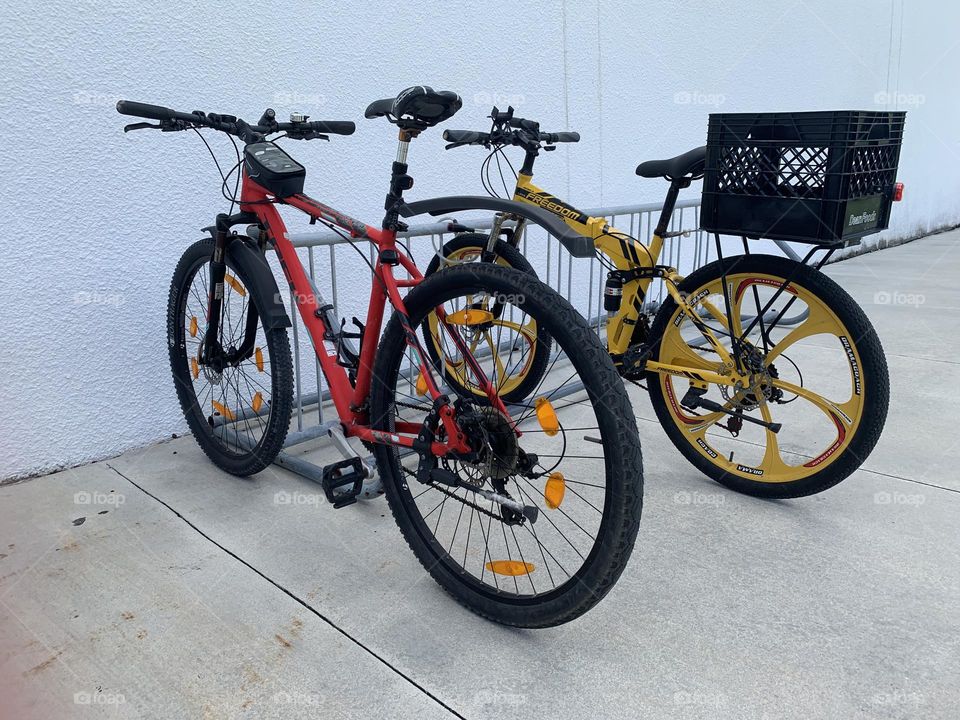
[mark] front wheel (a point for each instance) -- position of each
(238, 410)
(576, 458)
(819, 372)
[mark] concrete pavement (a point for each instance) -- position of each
(185, 592)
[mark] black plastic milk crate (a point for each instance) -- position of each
(817, 177)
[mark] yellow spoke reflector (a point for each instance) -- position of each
(553, 492)
(421, 385)
(470, 316)
(257, 402)
(194, 368)
(258, 358)
(547, 416)
(510, 567)
(224, 410)
(235, 284)
(193, 327)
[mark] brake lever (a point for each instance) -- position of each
(140, 126)
(163, 126)
(309, 135)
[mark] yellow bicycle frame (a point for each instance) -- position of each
(628, 253)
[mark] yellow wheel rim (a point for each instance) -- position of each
(487, 338)
(840, 417)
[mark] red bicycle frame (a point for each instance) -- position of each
(351, 400)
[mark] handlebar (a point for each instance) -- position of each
(466, 137)
(560, 137)
(153, 112)
(507, 137)
(171, 120)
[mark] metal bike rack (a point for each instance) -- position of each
(561, 270)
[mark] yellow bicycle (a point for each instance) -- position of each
(763, 371)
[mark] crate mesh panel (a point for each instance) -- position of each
(773, 172)
(874, 170)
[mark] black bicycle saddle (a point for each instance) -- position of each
(417, 107)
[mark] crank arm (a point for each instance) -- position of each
(693, 400)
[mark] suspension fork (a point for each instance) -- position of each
(489, 251)
(212, 352)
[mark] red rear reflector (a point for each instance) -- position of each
(898, 192)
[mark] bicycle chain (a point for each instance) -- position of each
(411, 406)
(450, 493)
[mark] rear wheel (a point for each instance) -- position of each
(468, 248)
(576, 460)
(238, 413)
(820, 373)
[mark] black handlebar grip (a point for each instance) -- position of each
(154, 112)
(560, 137)
(462, 136)
(524, 124)
(333, 127)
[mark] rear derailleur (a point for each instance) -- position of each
(494, 454)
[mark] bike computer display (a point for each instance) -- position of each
(271, 168)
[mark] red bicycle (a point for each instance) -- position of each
(526, 513)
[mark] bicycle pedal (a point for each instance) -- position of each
(343, 481)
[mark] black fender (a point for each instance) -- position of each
(576, 244)
(244, 255)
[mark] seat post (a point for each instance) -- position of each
(399, 181)
(403, 146)
(669, 203)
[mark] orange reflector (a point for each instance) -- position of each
(470, 316)
(224, 410)
(258, 358)
(510, 567)
(553, 492)
(547, 416)
(235, 284)
(193, 327)
(194, 368)
(257, 402)
(421, 385)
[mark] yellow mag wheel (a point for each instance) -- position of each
(819, 373)
(514, 357)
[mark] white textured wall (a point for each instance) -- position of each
(95, 220)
